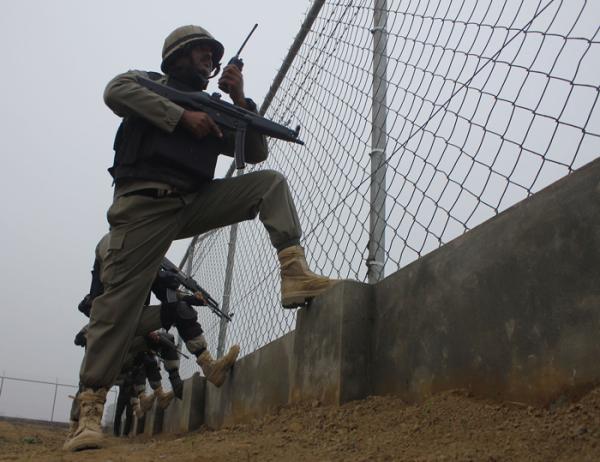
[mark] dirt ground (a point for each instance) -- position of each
(447, 427)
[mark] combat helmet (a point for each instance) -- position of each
(182, 37)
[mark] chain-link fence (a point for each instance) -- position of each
(421, 119)
(43, 400)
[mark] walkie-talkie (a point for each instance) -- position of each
(236, 59)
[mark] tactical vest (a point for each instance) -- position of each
(145, 152)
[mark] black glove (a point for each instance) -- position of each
(80, 339)
(85, 305)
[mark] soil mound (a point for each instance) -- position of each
(447, 427)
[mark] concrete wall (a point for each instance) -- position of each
(332, 346)
(510, 310)
(186, 414)
(258, 384)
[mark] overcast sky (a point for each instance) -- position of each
(56, 139)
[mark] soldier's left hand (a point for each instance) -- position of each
(232, 82)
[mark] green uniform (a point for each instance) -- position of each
(143, 226)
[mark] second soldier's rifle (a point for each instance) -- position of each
(226, 115)
(190, 284)
(163, 340)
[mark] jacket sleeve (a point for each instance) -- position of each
(255, 148)
(126, 97)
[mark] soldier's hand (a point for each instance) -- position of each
(80, 339)
(196, 299)
(154, 337)
(232, 82)
(200, 124)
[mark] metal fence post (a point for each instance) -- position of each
(376, 258)
(1, 385)
(190, 257)
(54, 401)
(189, 266)
(227, 287)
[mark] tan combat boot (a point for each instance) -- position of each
(216, 371)
(88, 434)
(298, 283)
(163, 398)
(146, 401)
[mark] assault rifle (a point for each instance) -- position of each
(165, 341)
(189, 283)
(226, 115)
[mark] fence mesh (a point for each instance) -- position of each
(488, 101)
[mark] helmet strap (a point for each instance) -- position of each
(216, 71)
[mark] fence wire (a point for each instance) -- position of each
(488, 101)
(43, 400)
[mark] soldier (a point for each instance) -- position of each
(147, 340)
(178, 313)
(165, 157)
(142, 364)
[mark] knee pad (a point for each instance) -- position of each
(171, 364)
(196, 345)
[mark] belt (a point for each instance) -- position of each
(153, 192)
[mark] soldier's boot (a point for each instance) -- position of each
(136, 407)
(146, 401)
(163, 398)
(298, 283)
(216, 371)
(88, 434)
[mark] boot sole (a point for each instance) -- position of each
(296, 301)
(83, 442)
(303, 298)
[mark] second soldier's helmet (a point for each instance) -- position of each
(182, 37)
